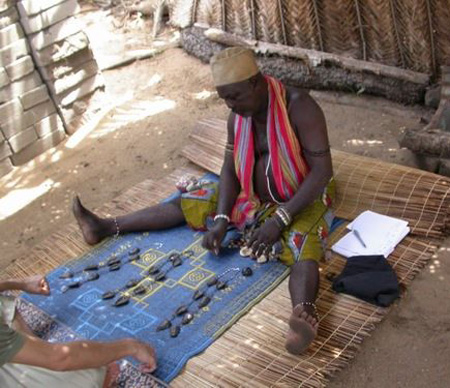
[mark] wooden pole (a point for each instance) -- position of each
(314, 58)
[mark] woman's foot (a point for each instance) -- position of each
(94, 228)
(303, 325)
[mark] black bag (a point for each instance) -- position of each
(370, 278)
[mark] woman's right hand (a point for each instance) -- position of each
(213, 237)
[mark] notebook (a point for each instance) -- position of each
(380, 234)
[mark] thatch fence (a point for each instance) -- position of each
(409, 35)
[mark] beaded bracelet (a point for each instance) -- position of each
(116, 236)
(313, 305)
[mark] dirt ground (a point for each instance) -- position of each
(153, 106)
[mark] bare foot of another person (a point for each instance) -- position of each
(91, 226)
(303, 326)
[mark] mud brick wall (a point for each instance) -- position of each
(47, 76)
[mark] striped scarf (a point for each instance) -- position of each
(288, 166)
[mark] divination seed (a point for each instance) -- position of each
(153, 270)
(92, 267)
(66, 275)
(114, 267)
(132, 283)
(198, 294)
(139, 290)
(134, 251)
(134, 258)
(204, 302)
(188, 253)
(113, 260)
(122, 301)
(64, 289)
(108, 295)
(174, 331)
(164, 325)
(174, 256)
(245, 251)
(177, 262)
(247, 271)
(74, 285)
(221, 285)
(160, 276)
(93, 276)
(188, 317)
(212, 281)
(181, 310)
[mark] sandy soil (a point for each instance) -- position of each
(154, 104)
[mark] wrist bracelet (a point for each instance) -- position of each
(286, 213)
(282, 217)
(224, 216)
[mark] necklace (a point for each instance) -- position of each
(140, 286)
(185, 313)
(92, 271)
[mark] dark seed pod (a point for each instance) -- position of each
(108, 295)
(66, 275)
(247, 271)
(212, 281)
(134, 251)
(153, 270)
(204, 302)
(93, 276)
(114, 267)
(174, 256)
(122, 301)
(74, 285)
(181, 310)
(188, 253)
(221, 285)
(198, 294)
(92, 267)
(132, 283)
(113, 261)
(134, 258)
(139, 290)
(160, 276)
(177, 262)
(164, 325)
(174, 331)
(188, 317)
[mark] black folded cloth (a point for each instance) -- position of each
(370, 278)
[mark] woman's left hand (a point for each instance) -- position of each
(264, 237)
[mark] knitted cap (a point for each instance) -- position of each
(234, 64)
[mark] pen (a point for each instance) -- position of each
(358, 236)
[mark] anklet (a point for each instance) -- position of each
(116, 236)
(313, 305)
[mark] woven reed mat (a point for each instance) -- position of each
(252, 352)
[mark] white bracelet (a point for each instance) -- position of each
(282, 217)
(286, 213)
(224, 216)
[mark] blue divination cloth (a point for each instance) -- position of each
(89, 316)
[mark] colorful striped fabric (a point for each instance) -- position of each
(288, 166)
